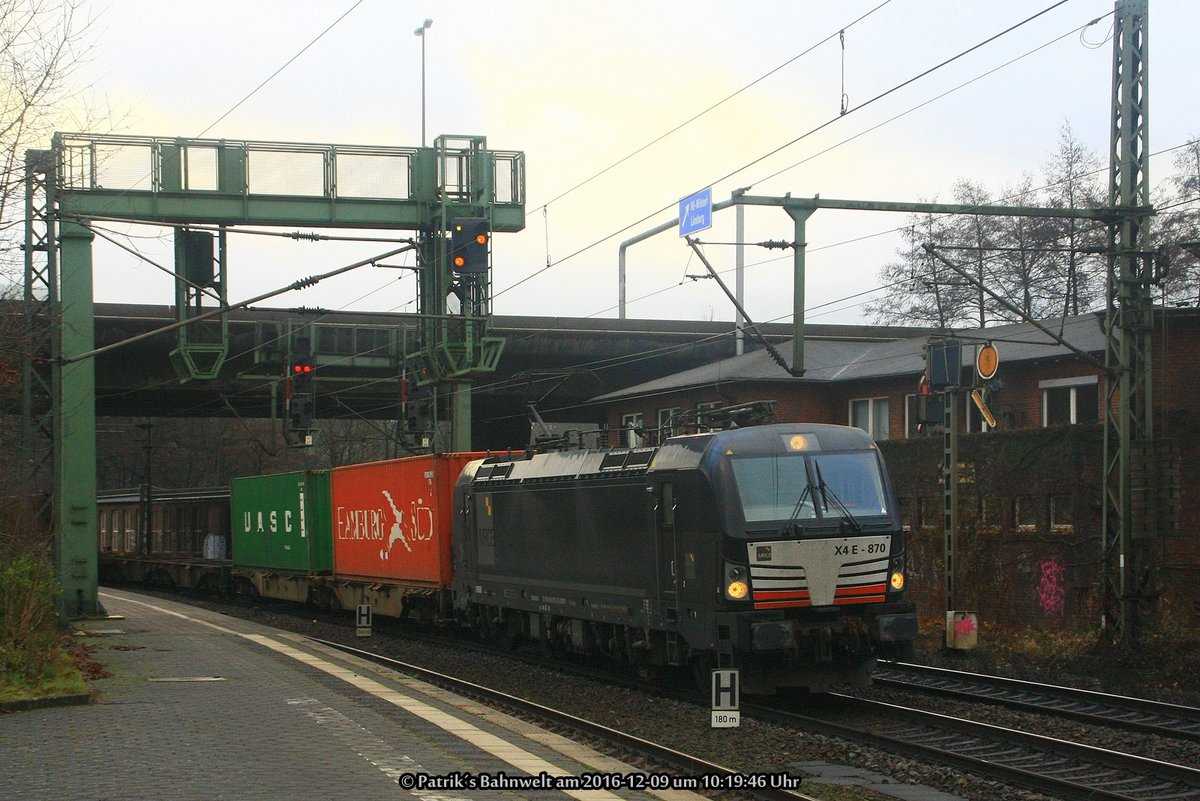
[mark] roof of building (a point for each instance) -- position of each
(830, 360)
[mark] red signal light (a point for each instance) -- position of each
(469, 238)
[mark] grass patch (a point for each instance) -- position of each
(38, 659)
(1051, 649)
(60, 675)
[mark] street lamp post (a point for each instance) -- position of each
(421, 33)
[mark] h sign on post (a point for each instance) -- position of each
(362, 620)
(695, 212)
(725, 699)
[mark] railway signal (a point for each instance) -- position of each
(301, 392)
(469, 238)
(302, 374)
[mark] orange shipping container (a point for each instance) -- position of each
(392, 519)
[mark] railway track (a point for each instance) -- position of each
(1054, 766)
(1103, 709)
(687, 772)
(1057, 767)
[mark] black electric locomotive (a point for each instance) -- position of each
(774, 549)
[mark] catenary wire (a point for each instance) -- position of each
(282, 67)
(602, 364)
(713, 107)
(767, 155)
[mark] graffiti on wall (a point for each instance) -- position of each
(1051, 589)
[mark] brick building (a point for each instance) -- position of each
(1030, 487)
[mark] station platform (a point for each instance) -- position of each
(205, 706)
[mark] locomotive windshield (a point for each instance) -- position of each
(787, 487)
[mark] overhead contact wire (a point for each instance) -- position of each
(800, 138)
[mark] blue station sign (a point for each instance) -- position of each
(695, 212)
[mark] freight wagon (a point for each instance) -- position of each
(174, 538)
(376, 533)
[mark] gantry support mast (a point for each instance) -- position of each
(1130, 517)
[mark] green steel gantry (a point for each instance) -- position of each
(218, 182)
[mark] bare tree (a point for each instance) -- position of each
(978, 234)
(42, 44)
(1179, 221)
(1023, 272)
(1045, 267)
(1073, 180)
(351, 441)
(920, 290)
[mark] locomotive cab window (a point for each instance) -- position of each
(780, 487)
(771, 488)
(853, 480)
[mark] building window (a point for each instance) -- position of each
(373, 342)
(1070, 401)
(912, 418)
(1061, 518)
(335, 339)
(991, 513)
(632, 433)
(668, 423)
(931, 407)
(871, 415)
(1026, 513)
(705, 415)
(931, 513)
(127, 525)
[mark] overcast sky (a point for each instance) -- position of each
(580, 86)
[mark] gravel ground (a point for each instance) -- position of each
(757, 747)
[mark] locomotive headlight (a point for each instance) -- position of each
(736, 586)
(896, 580)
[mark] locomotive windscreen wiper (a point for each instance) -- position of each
(828, 495)
(796, 509)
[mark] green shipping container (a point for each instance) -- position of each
(283, 522)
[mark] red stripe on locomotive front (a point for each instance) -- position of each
(778, 599)
(869, 589)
